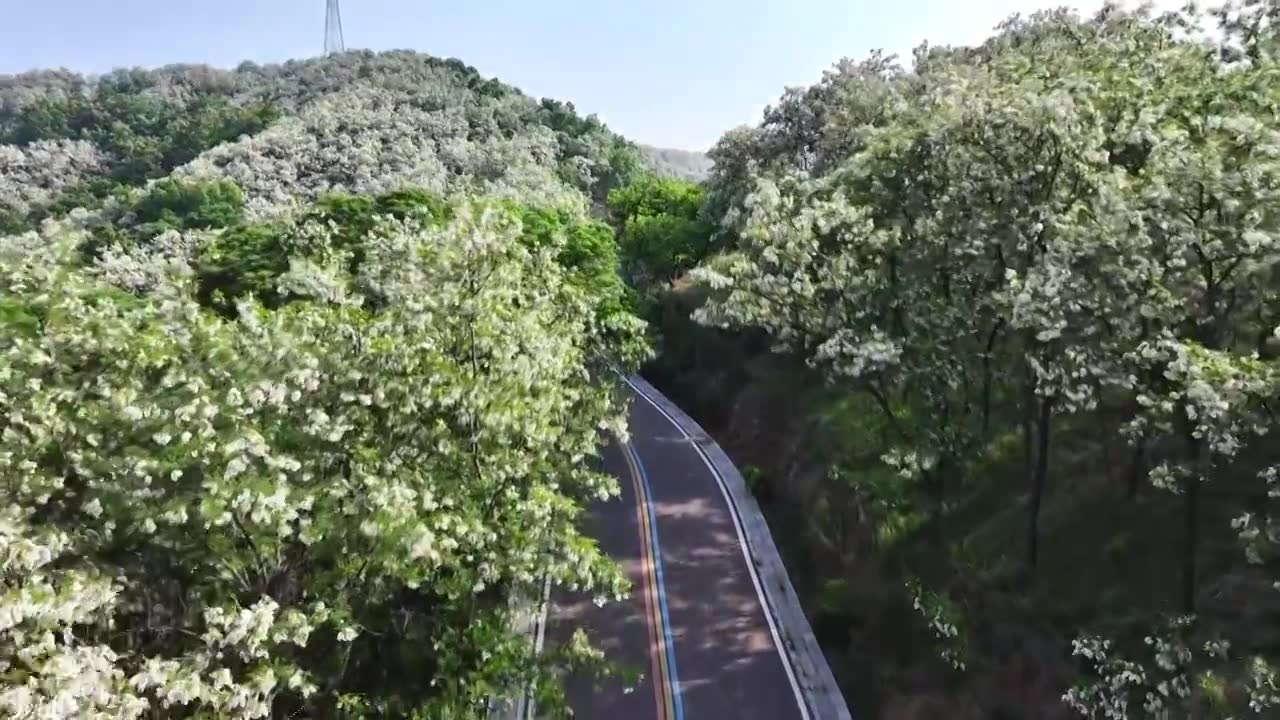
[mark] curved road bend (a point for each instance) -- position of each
(695, 622)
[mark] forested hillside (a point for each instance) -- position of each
(301, 369)
(305, 370)
(996, 330)
(358, 122)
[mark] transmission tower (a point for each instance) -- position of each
(333, 29)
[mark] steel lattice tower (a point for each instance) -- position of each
(333, 29)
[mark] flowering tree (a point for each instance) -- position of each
(31, 176)
(315, 510)
(1075, 214)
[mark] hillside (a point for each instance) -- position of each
(681, 164)
(288, 133)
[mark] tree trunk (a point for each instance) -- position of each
(1028, 437)
(1192, 540)
(1138, 469)
(899, 317)
(986, 376)
(1043, 428)
(1191, 530)
(934, 485)
(1028, 427)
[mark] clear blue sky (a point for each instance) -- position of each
(664, 72)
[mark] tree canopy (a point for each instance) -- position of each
(1077, 218)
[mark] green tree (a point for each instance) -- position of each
(661, 233)
(177, 205)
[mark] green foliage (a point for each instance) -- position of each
(613, 161)
(945, 620)
(754, 477)
(410, 202)
(352, 217)
(662, 247)
(319, 507)
(562, 117)
(244, 260)
(251, 259)
(90, 194)
(143, 134)
(12, 222)
(129, 217)
(17, 317)
(651, 194)
(178, 205)
(661, 230)
(272, 449)
(623, 163)
(1064, 236)
(588, 248)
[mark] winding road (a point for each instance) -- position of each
(699, 622)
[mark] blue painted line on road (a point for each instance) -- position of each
(735, 514)
(662, 588)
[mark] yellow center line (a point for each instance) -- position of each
(653, 615)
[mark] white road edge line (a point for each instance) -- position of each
(742, 545)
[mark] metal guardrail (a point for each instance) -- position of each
(530, 620)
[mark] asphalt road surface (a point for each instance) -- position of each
(695, 624)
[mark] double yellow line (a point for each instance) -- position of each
(661, 649)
